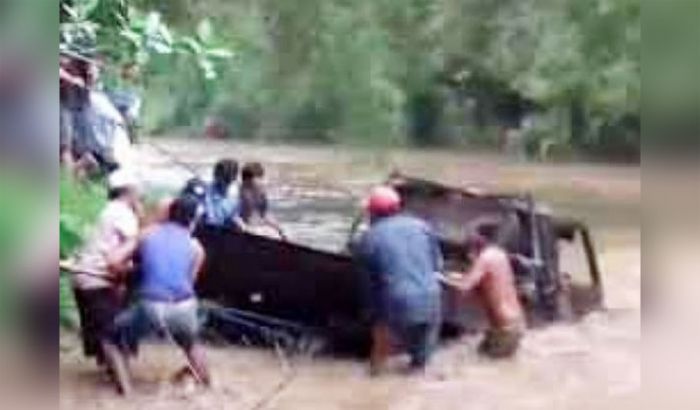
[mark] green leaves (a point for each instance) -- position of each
(205, 31)
(80, 203)
(156, 35)
(220, 53)
(204, 49)
(191, 45)
(558, 53)
(365, 70)
(128, 35)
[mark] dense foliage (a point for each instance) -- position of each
(420, 70)
(80, 203)
(394, 71)
(671, 65)
(122, 35)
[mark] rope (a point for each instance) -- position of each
(172, 158)
(271, 330)
(264, 331)
(277, 332)
(281, 386)
(261, 317)
(292, 372)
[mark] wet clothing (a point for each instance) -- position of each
(97, 298)
(176, 320)
(501, 343)
(166, 302)
(253, 203)
(167, 261)
(220, 208)
(401, 256)
(419, 340)
(97, 309)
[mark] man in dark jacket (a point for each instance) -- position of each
(402, 258)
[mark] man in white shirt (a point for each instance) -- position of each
(102, 263)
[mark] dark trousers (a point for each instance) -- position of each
(419, 339)
(97, 309)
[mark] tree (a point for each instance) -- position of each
(581, 58)
(390, 70)
(120, 32)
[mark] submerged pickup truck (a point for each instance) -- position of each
(273, 284)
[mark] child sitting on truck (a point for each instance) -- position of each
(253, 200)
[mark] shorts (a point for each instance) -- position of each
(176, 321)
(501, 343)
(97, 309)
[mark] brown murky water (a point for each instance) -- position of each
(593, 364)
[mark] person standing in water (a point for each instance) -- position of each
(402, 259)
(491, 278)
(166, 303)
(101, 266)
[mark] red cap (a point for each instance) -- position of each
(383, 200)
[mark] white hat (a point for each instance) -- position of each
(121, 178)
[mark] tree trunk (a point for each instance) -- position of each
(577, 122)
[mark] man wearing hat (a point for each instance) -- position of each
(94, 133)
(102, 263)
(402, 258)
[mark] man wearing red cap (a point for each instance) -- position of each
(402, 259)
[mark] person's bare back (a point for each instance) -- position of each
(491, 277)
(497, 289)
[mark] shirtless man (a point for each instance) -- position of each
(491, 277)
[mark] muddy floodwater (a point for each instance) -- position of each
(591, 364)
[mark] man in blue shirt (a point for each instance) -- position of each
(170, 260)
(218, 202)
(402, 258)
